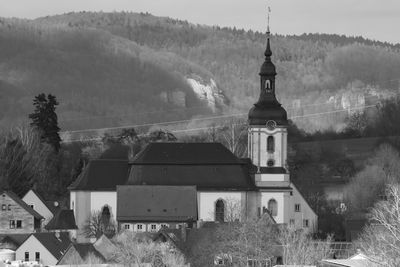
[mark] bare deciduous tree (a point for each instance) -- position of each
(233, 136)
(300, 249)
(96, 225)
(381, 239)
(132, 250)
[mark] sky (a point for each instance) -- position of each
(374, 19)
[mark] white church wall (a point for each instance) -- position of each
(280, 199)
(100, 199)
(206, 202)
(80, 204)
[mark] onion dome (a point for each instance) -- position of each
(267, 107)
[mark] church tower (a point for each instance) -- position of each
(268, 129)
(267, 145)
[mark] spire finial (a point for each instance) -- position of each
(268, 52)
(269, 12)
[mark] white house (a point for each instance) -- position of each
(36, 202)
(44, 248)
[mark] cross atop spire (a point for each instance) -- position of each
(269, 12)
(268, 51)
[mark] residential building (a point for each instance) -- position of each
(37, 203)
(44, 248)
(16, 217)
(143, 208)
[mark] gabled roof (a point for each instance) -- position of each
(156, 203)
(105, 248)
(209, 166)
(102, 175)
(185, 153)
(56, 246)
(62, 220)
(16, 239)
(84, 250)
(48, 204)
(174, 236)
(23, 205)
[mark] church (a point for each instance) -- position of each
(189, 184)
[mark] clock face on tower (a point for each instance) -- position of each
(271, 124)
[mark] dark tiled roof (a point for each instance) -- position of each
(56, 246)
(17, 239)
(185, 153)
(53, 205)
(205, 177)
(48, 204)
(205, 165)
(85, 249)
(23, 204)
(172, 235)
(62, 220)
(102, 174)
(105, 248)
(156, 203)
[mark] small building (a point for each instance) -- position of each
(142, 208)
(16, 217)
(63, 221)
(37, 203)
(357, 260)
(101, 251)
(83, 253)
(12, 241)
(44, 248)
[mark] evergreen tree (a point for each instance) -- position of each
(44, 118)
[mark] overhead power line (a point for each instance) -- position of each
(208, 118)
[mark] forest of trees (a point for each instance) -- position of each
(109, 69)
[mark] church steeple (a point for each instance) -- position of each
(267, 107)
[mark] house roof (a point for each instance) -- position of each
(23, 205)
(17, 239)
(102, 175)
(56, 246)
(205, 165)
(85, 249)
(49, 204)
(185, 153)
(174, 236)
(105, 248)
(62, 220)
(156, 203)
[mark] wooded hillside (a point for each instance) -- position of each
(113, 66)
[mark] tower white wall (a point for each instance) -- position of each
(257, 151)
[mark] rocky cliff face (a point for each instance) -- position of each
(207, 91)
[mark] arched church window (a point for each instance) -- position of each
(219, 210)
(273, 207)
(105, 214)
(270, 144)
